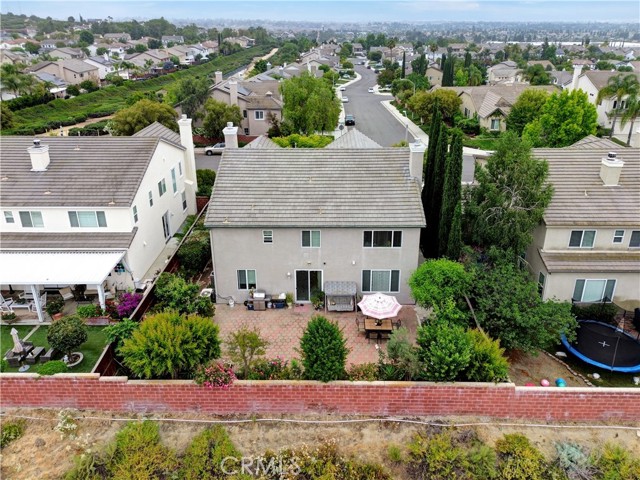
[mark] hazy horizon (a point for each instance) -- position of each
(571, 11)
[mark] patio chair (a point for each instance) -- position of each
(397, 324)
(360, 324)
(43, 302)
(66, 293)
(6, 305)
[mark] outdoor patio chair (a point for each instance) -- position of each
(66, 293)
(360, 324)
(43, 302)
(397, 324)
(6, 305)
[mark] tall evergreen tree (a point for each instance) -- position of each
(404, 63)
(443, 60)
(467, 60)
(454, 245)
(451, 193)
(434, 134)
(435, 202)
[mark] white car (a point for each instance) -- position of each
(342, 89)
(216, 149)
(345, 99)
(370, 90)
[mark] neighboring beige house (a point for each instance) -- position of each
(506, 72)
(12, 58)
(71, 71)
(257, 100)
(591, 82)
(154, 58)
(583, 63)
(546, 64)
(492, 104)
(357, 48)
(434, 74)
(587, 248)
(117, 37)
(177, 39)
(291, 220)
(180, 51)
(67, 53)
(243, 41)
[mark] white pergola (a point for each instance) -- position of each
(41, 268)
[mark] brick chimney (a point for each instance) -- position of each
(230, 136)
(233, 92)
(610, 170)
(217, 77)
(39, 156)
(416, 160)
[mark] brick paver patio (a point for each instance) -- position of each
(284, 327)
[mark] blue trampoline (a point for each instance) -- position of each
(605, 346)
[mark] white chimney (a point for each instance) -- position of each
(39, 156)
(577, 70)
(233, 92)
(217, 77)
(60, 69)
(416, 160)
(610, 170)
(190, 177)
(230, 136)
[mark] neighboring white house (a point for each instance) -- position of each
(92, 210)
(587, 248)
(105, 66)
(290, 220)
(506, 72)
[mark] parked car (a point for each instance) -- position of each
(342, 89)
(349, 120)
(216, 149)
(345, 99)
(370, 90)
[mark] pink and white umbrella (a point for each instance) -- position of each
(379, 306)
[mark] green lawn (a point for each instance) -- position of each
(92, 348)
(483, 143)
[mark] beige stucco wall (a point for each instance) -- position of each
(626, 293)
(341, 257)
(435, 76)
(557, 238)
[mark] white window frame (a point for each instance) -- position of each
(135, 213)
(618, 239)
(367, 288)
(595, 232)
(258, 115)
(491, 127)
(637, 234)
(150, 198)
(32, 214)
(311, 245)
(246, 278)
(83, 215)
(604, 288)
(373, 234)
(174, 181)
(184, 201)
(8, 217)
(162, 187)
(267, 236)
(180, 169)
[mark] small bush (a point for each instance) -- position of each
(367, 372)
(55, 306)
(243, 347)
(4, 365)
(8, 317)
(194, 254)
(487, 363)
(127, 303)
(394, 453)
(203, 459)
(574, 461)
(603, 312)
(53, 367)
(11, 431)
(119, 332)
(206, 179)
(324, 350)
(175, 293)
(519, 460)
(403, 355)
(214, 375)
(67, 334)
(444, 350)
(263, 369)
(300, 141)
(87, 311)
(617, 463)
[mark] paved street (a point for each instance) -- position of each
(372, 118)
(205, 162)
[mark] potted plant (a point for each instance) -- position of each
(317, 299)
(8, 317)
(54, 308)
(289, 299)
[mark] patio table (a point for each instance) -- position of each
(370, 325)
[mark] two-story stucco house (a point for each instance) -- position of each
(587, 248)
(290, 220)
(97, 211)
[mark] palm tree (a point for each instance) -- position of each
(433, 47)
(391, 44)
(631, 113)
(617, 87)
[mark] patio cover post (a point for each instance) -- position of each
(36, 298)
(101, 298)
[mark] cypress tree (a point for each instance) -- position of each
(451, 193)
(434, 134)
(454, 245)
(435, 204)
(467, 60)
(404, 63)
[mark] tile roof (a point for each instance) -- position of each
(353, 139)
(262, 142)
(156, 129)
(315, 187)
(589, 262)
(78, 66)
(487, 98)
(79, 240)
(84, 171)
(580, 198)
(600, 78)
(591, 141)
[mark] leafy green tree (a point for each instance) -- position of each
(617, 88)
(89, 86)
(206, 179)
(310, 104)
(191, 93)
(420, 81)
(6, 117)
(154, 43)
(444, 350)
(217, 115)
(244, 345)
(386, 77)
(324, 350)
(510, 198)
(67, 334)
(143, 113)
(87, 37)
(32, 48)
(519, 317)
(140, 48)
(435, 282)
(448, 103)
(488, 363)
(449, 242)
(419, 65)
(374, 56)
(73, 90)
(537, 75)
(526, 109)
(101, 51)
(565, 118)
(174, 293)
(170, 345)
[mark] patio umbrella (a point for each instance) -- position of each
(17, 344)
(379, 306)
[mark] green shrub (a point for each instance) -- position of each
(444, 350)
(487, 363)
(194, 254)
(394, 453)
(603, 312)
(55, 306)
(175, 293)
(324, 350)
(8, 317)
(118, 332)
(519, 460)
(170, 345)
(11, 431)
(300, 141)
(437, 281)
(206, 179)
(4, 365)
(402, 355)
(67, 334)
(367, 372)
(204, 456)
(53, 367)
(244, 346)
(574, 461)
(87, 311)
(617, 463)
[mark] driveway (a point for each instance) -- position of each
(372, 118)
(206, 162)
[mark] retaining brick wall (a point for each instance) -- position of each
(505, 401)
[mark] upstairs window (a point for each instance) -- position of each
(174, 181)
(634, 242)
(8, 217)
(150, 198)
(618, 236)
(87, 219)
(31, 219)
(582, 238)
(162, 187)
(382, 238)
(259, 115)
(311, 238)
(267, 236)
(135, 214)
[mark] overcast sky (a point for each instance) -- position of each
(347, 11)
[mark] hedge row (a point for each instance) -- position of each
(106, 101)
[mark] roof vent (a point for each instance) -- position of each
(39, 156)
(610, 170)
